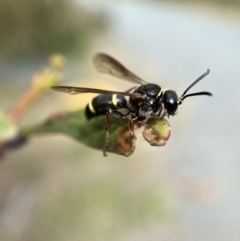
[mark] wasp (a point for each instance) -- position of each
(139, 103)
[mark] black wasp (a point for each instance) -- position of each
(144, 102)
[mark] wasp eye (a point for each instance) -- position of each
(170, 100)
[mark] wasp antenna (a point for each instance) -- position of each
(194, 94)
(183, 96)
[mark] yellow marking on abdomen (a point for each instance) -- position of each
(114, 99)
(91, 108)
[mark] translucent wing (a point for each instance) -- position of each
(81, 90)
(107, 64)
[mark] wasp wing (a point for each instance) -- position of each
(107, 64)
(81, 90)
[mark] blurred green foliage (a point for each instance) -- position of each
(41, 26)
(92, 133)
(100, 209)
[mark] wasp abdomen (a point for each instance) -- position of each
(100, 104)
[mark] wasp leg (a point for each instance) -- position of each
(130, 123)
(162, 111)
(106, 126)
(128, 116)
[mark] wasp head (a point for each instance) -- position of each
(170, 102)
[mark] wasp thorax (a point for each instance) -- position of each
(170, 101)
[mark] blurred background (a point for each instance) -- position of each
(54, 188)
